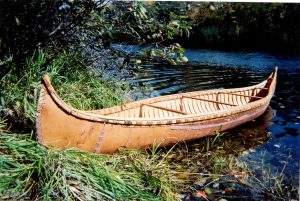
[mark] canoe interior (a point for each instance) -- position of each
(188, 103)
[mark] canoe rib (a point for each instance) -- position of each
(168, 119)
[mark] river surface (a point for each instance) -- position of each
(210, 69)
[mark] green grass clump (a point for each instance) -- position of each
(20, 162)
(75, 83)
(30, 171)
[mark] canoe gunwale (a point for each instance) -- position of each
(47, 89)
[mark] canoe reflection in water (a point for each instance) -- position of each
(237, 141)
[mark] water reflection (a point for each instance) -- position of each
(163, 80)
(254, 60)
(239, 140)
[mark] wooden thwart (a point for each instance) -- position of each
(212, 101)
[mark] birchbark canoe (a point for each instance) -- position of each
(163, 120)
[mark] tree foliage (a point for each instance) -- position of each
(25, 24)
(269, 26)
(136, 23)
(73, 25)
(63, 25)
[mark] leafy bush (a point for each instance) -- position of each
(25, 24)
(75, 25)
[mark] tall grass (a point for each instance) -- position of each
(30, 171)
(75, 83)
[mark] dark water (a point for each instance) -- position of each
(209, 69)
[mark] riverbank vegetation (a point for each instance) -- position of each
(78, 85)
(71, 42)
(258, 26)
(240, 26)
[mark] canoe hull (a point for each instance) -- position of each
(55, 127)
